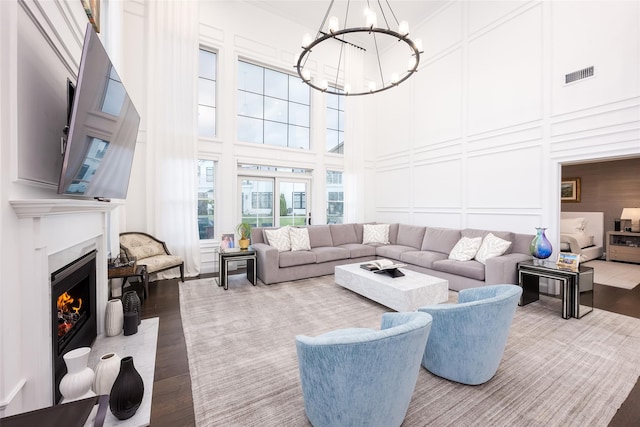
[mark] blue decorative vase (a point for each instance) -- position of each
(540, 246)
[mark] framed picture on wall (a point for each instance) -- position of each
(92, 9)
(570, 190)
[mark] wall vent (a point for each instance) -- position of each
(578, 75)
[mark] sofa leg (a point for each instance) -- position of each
(182, 272)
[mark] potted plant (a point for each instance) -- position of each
(244, 230)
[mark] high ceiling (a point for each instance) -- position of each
(311, 12)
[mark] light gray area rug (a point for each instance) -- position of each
(618, 274)
(244, 370)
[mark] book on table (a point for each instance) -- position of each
(381, 265)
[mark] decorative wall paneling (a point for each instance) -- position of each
(505, 73)
(607, 36)
(492, 112)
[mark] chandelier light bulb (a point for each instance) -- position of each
(403, 29)
(372, 20)
(372, 86)
(418, 43)
(394, 78)
(347, 88)
(334, 24)
(306, 40)
(324, 85)
(306, 75)
(411, 64)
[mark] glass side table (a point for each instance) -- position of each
(577, 285)
(229, 255)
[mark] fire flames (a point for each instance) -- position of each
(68, 313)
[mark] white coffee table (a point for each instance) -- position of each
(406, 293)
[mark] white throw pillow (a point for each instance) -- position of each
(491, 246)
(375, 233)
(299, 239)
(279, 238)
(465, 249)
(572, 225)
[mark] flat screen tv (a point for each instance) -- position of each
(102, 129)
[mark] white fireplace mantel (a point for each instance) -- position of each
(31, 208)
(53, 232)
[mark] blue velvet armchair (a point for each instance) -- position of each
(468, 339)
(362, 377)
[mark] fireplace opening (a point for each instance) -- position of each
(73, 308)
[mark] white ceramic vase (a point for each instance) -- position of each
(107, 370)
(76, 384)
(114, 318)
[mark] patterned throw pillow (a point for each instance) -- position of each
(465, 249)
(375, 233)
(299, 239)
(491, 246)
(279, 238)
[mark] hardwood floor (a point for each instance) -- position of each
(172, 400)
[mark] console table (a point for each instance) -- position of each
(623, 246)
(577, 285)
(226, 256)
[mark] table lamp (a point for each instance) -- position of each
(632, 214)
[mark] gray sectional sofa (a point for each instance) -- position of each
(423, 249)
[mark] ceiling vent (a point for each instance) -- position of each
(578, 75)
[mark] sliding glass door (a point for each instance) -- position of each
(261, 206)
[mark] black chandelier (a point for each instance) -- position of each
(371, 35)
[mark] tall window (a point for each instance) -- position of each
(207, 94)
(273, 107)
(335, 123)
(206, 199)
(335, 198)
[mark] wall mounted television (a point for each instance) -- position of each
(102, 129)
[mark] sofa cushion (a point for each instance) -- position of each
(160, 262)
(343, 233)
(393, 251)
(290, 259)
(410, 235)
(505, 235)
(471, 269)
(393, 233)
(466, 248)
(320, 235)
(329, 253)
(357, 250)
(279, 238)
(491, 247)
(299, 238)
(375, 233)
(422, 258)
(440, 239)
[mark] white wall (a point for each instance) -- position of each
(477, 137)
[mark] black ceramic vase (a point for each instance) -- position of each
(131, 303)
(127, 391)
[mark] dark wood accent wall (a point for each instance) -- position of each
(605, 187)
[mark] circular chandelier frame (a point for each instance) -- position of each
(371, 28)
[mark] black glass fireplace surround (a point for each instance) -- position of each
(73, 309)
